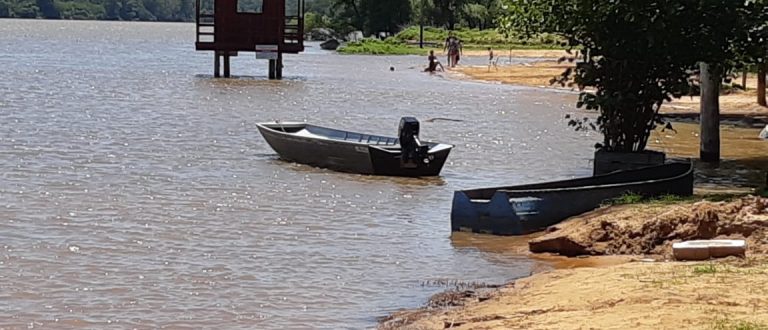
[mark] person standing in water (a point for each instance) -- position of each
(453, 46)
(491, 61)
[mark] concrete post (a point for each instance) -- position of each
(272, 67)
(279, 66)
(226, 66)
(216, 65)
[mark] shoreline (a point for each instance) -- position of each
(637, 290)
(642, 294)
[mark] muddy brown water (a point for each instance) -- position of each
(744, 156)
(136, 190)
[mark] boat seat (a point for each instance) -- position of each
(370, 139)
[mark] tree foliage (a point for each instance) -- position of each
(369, 16)
(634, 55)
(128, 10)
(372, 16)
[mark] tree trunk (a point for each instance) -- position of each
(761, 70)
(744, 79)
(421, 35)
(711, 76)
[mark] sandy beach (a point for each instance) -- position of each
(641, 290)
(729, 294)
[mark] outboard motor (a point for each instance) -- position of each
(413, 152)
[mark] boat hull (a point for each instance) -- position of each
(525, 209)
(351, 157)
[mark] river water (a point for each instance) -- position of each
(136, 190)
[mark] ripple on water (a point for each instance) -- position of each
(137, 191)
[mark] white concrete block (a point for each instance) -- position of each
(706, 249)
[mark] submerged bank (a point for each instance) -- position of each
(647, 294)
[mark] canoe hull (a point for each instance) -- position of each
(350, 157)
(529, 208)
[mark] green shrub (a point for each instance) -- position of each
(80, 10)
(378, 47)
(474, 38)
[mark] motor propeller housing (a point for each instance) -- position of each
(413, 152)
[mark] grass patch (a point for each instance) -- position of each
(475, 38)
(406, 42)
(379, 47)
(632, 198)
(705, 269)
(726, 324)
(627, 198)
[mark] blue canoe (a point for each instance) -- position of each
(519, 210)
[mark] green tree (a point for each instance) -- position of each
(112, 9)
(476, 15)
(423, 12)
(48, 9)
(5, 9)
(186, 10)
(133, 10)
(386, 16)
(25, 9)
(321, 7)
(448, 12)
(372, 16)
(350, 13)
(636, 55)
(751, 47)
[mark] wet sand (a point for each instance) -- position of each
(619, 291)
(637, 295)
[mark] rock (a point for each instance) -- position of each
(330, 44)
(562, 245)
(355, 36)
(320, 34)
(764, 133)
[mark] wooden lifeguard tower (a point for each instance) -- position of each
(269, 28)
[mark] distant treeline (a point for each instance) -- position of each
(372, 16)
(369, 16)
(126, 10)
